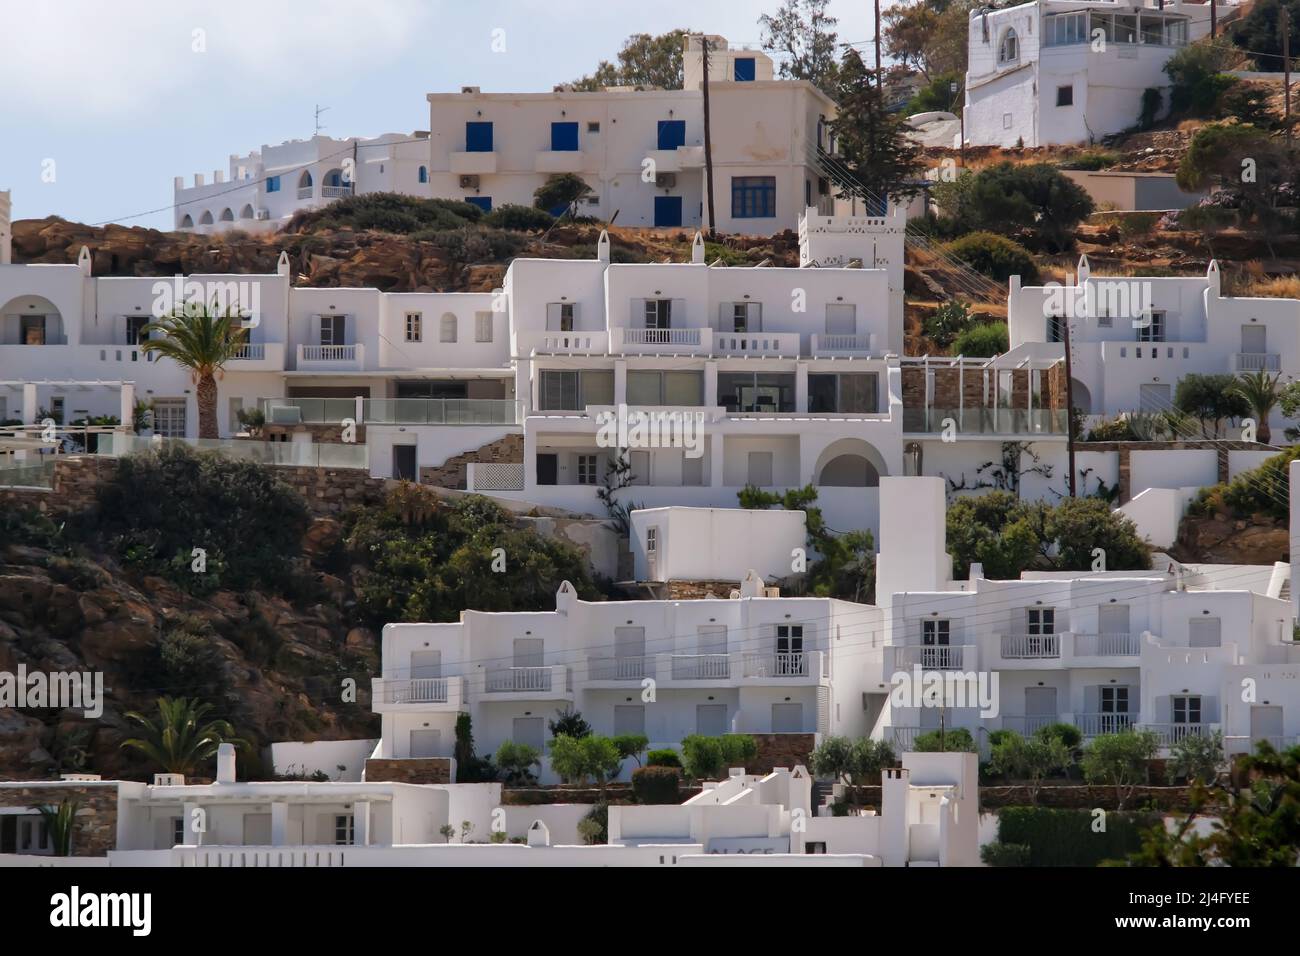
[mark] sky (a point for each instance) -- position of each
(102, 104)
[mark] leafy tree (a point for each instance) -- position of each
(1256, 823)
(646, 61)
(569, 723)
(182, 739)
(930, 36)
(202, 338)
(1196, 758)
(1259, 33)
(579, 759)
(1210, 399)
(1196, 78)
(937, 95)
(1030, 759)
(873, 143)
(516, 762)
(1121, 761)
(1254, 170)
(707, 758)
(802, 34)
(945, 322)
(631, 746)
(1260, 392)
(994, 256)
(1081, 526)
(952, 740)
(60, 822)
(560, 192)
(1035, 203)
(853, 762)
(982, 340)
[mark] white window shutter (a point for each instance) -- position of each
(637, 311)
(552, 317)
(677, 317)
(576, 320)
(755, 315)
(725, 315)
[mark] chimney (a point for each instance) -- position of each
(697, 248)
(602, 247)
(226, 763)
(6, 230)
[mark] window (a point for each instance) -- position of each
(1152, 330)
(753, 197)
(658, 313)
(447, 328)
(344, 829)
(789, 651)
(593, 127)
(478, 137)
(332, 329)
(564, 137)
(423, 174)
(629, 719)
(1063, 29)
(33, 329)
(742, 317)
(169, 418)
(1041, 621)
(528, 730)
(482, 326)
(1055, 328)
(559, 317)
(483, 202)
(34, 836)
(743, 71)
(273, 184)
(413, 323)
(234, 406)
(1006, 121)
(178, 831)
(57, 405)
(1186, 709)
(586, 469)
(565, 390)
(841, 319)
(1009, 48)
(134, 323)
(756, 391)
(672, 134)
(936, 636)
(1065, 96)
(652, 387)
(844, 392)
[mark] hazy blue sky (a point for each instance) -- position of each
(115, 96)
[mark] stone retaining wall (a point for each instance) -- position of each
(95, 832)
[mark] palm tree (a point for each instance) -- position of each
(1259, 390)
(180, 741)
(202, 339)
(58, 824)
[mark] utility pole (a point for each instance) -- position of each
(1069, 403)
(1285, 18)
(1214, 19)
(319, 109)
(708, 139)
(878, 77)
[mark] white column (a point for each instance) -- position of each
(361, 822)
(710, 384)
(279, 823)
(801, 387)
(620, 382)
(717, 449)
(128, 406)
(29, 403)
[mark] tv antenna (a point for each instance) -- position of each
(319, 110)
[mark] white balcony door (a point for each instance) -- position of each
(1040, 702)
(710, 720)
(711, 639)
(425, 743)
(528, 730)
(1113, 619)
(257, 829)
(760, 469)
(1254, 339)
(629, 652)
(787, 718)
(425, 664)
(528, 652)
(629, 719)
(1204, 632)
(1265, 722)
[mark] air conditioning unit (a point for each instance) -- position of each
(666, 181)
(262, 214)
(771, 592)
(469, 182)
(470, 89)
(169, 780)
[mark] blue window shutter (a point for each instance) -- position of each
(478, 137)
(564, 137)
(424, 174)
(273, 184)
(672, 133)
(744, 69)
(753, 197)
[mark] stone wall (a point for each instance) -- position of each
(974, 388)
(699, 590)
(409, 770)
(331, 491)
(781, 750)
(452, 473)
(1126, 448)
(95, 832)
(327, 434)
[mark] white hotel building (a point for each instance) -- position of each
(1040, 73)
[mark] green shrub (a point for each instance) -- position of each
(1112, 429)
(954, 739)
(994, 256)
(1206, 218)
(984, 340)
(516, 761)
(526, 218)
(1092, 160)
(663, 758)
(1060, 837)
(1197, 83)
(1034, 203)
(29, 527)
(946, 322)
(1264, 490)
(1005, 854)
(1067, 734)
(594, 827)
(708, 758)
(386, 212)
(656, 784)
(248, 522)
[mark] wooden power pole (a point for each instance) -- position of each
(1069, 402)
(878, 75)
(708, 139)
(1284, 18)
(1214, 18)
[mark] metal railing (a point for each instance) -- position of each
(327, 353)
(1106, 645)
(1094, 725)
(701, 666)
(1256, 361)
(1031, 646)
(661, 337)
(785, 664)
(509, 679)
(414, 690)
(440, 411)
(620, 668)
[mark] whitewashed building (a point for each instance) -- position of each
(1054, 72)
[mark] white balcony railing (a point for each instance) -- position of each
(1031, 646)
(304, 192)
(683, 337)
(335, 192)
(785, 664)
(620, 668)
(329, 353)
(1106, 645)
(418, 690)
(932, 657)
(1027, 724)
(1256, 362)
(701, 666)
(1170, 734)
(1094, 725)
(514, 679)
(251, 352)
(756, 343)
(840, 344)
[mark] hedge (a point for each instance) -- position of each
(656, 784)
(1058, 837)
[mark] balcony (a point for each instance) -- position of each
(304, 192)
(331, 358)
(1031, 647)
(635, 669)
(558, 161)
(1256, 362)
(1107, 645)
(756, 343)
(785, 666)
(935, 657)
(563, 343)
(657, 341)
(335, 192)
(676, 160)
(701, 667)
(1027, 725)
(528, 683)
(723, 670)
(473, 164)
(829, 346)
(984, 422)
(1170, 734)
(440, 411)
(258, 356)
(426, 694)
(1249, 744)
(1094, 725)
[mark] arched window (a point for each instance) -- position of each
(424, 174)
(187, 222)
(206, 218)
(304, 181)
(1009, 48)
(246, 212)
(227, 215)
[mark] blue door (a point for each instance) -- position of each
(672, 133)
(744, 72)
(478, 137)
(668, 210)
(483, 202)
(564, 137)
